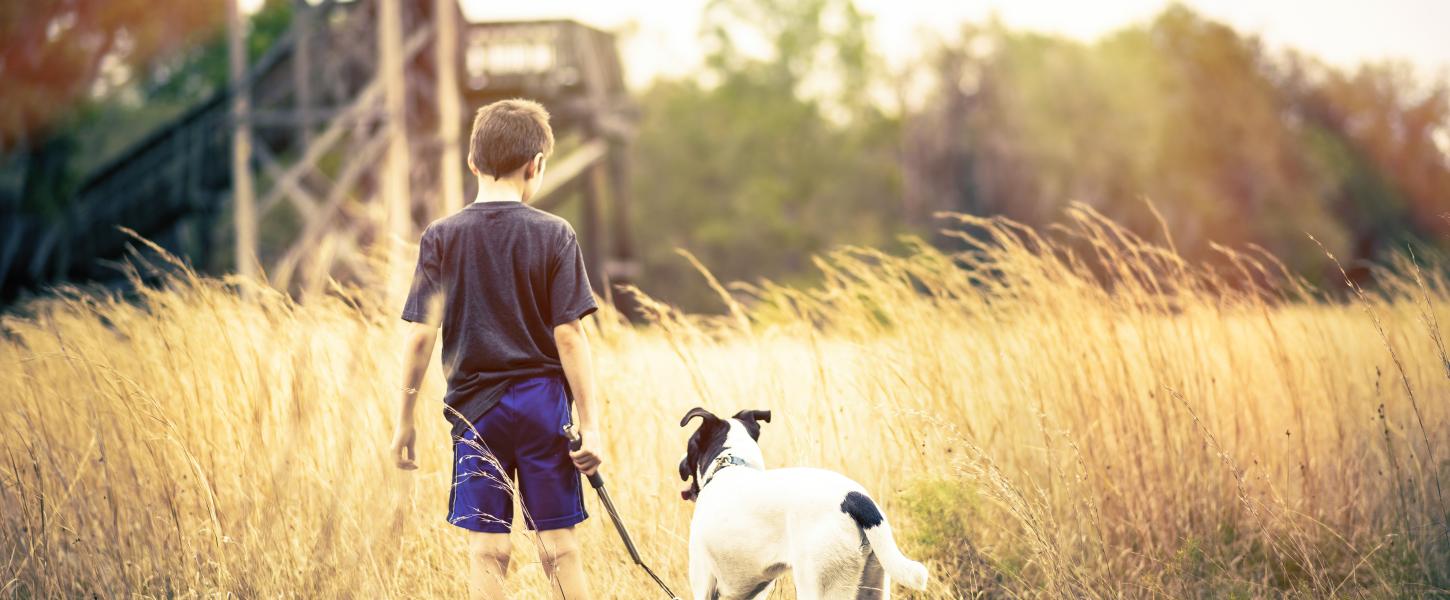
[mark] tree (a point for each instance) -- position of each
(1230, 143)
(107, 74)
(753, 174)
(55, 54)
(1372, 133)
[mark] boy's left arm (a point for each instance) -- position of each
(418, 352)
(422, 312)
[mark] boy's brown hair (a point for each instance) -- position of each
(507, 134)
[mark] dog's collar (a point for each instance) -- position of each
(720, 463)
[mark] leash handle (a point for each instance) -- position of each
(575, 443)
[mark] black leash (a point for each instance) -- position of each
(576, 442)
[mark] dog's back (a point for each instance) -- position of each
(812, 520)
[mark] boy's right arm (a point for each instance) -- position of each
(578, 362)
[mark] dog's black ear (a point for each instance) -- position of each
(751, 420)
(708, 416)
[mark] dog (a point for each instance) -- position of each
(753, 524)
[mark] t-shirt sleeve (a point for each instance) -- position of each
(570, 297)
(426, 287)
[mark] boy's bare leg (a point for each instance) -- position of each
(488, 565)
(563, 563)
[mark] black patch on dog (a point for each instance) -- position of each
(749, 419)
(862, 510)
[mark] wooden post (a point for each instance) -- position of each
(450, 116)
(595, 192)
(244, 210)
(394, 189)
(622, 267)
(303, 23)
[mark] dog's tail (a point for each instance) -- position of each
(868, 517)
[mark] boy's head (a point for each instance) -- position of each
(511, 139)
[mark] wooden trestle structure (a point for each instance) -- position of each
(352, 128)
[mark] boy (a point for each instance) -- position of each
(506, 283)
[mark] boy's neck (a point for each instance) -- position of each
(499, 190)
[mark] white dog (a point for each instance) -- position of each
(751, 525)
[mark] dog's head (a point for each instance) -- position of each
(711, 439)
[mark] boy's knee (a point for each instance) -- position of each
(558, 546)
(490, 548)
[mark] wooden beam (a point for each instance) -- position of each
(596, 192)
(320, 268)
(12, 247)
(450, 116)
(349, 118)
(396, 170)
(305, 202)
(570, 166)
(360, 163)
(244, 211)
(620, 268)
(303, 23)
(291, 118)
(320, 145)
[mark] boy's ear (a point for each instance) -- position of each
(535, 167)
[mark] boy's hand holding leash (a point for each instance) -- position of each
(582, 456)
(588, 455)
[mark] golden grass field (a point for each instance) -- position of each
(1084, 418)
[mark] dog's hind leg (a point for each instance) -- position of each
(858, 579)
(807, 585)
(759, 592)
(874, 584)
(703, 587)
(703, 584)
(826, 578)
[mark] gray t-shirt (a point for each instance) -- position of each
(504, 274)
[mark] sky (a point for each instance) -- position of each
(659, 37)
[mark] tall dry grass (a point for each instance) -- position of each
(1085, 415)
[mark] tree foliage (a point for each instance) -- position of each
(776, 151)
(749, 173)
(55, 54)
(108, 74)
(1229, 143)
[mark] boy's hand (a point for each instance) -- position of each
(402, 452)
(589, 455)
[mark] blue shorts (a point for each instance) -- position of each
(518, 444)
